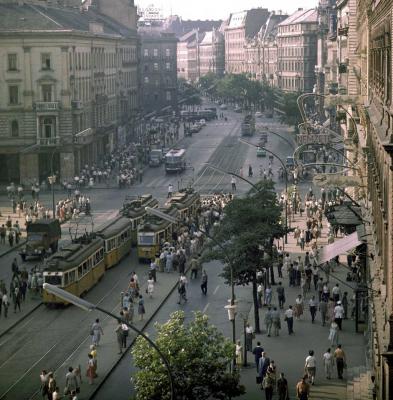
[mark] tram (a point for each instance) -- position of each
(117, 236)
(155, 231)
(134, 210)
(187, 202)
(76, 268)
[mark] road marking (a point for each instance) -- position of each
(215, 290)
(205, 309)
(28, 371)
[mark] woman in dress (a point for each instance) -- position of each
(96, 332)
(333, 334)
(90, 373)
(330, 311)
(150, 286)
(268, 295)
(133, 288)
(141, 307)
(298, 311)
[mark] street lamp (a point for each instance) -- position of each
(87, 306)
(286, 183)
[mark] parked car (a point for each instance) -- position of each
(237, 109)
(195, 128)
(258, 114)
(223, 107)
(261, 152)
(202, 122)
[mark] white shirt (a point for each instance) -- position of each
(338, 311)
(289, 313)
(310, 362)
(249, 329)
(327, 358)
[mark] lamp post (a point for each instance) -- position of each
(87, 306)
(286, 183)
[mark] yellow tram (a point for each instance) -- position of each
(76, 268)
(154, 231)
(117, 236)
(134, 210)
(187, 203)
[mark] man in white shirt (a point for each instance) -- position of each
(310, 366)
(339, 314)
(233, 183)
(336, 292)
(288, 316)
(170, 190)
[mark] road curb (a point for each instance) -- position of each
(21, 319)
(98, 387)
(11, 249)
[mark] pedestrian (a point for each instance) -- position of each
(282, 388)
(303, 389)
(313, 308)
(268, 384)
(194, 264)
(336, 292)
(16, 297)
(298, 311)
(119, 336)
(239, 354)
(268, 295)
(344, 303)
(170, 190)
(96, 332)
(150, 287)
(269, 321)
(153, 270)
(264, 363)
(374, 388)
(319, 288)
(257, 351)
(249, 336)
(44, 379)
(11, 238)
(328, 363)
(339, 355)
(310, 366)
(339, 314)
(125, 330)
(288, 317)
(276, 321)
(233, 183)
(333, 334)
(280, 295)
(71, 382)
(141, 307)
(90, 373)
(204, 282)
(169, 262)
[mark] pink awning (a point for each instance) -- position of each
(339, 247)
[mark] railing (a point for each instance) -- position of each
(47, 105)
(52, 141)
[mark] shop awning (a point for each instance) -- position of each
(339, 247)
(344, 215)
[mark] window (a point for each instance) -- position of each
(146, 79)
(168, 66)
(155, 52)
(45, 61)
(13, 95)
(146, 52)
(46, 92)
(48, 128)
(168, 95)
(12, 62)
(155, 67)
(14, 128)
(168, 52)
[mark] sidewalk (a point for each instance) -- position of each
(289, 352)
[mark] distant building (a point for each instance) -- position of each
(212, 53)
(158, 70)
(188, 56)
(69, 87)
(243, 27)
(297, 51)
(181, 27)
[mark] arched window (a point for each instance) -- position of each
(14, 128)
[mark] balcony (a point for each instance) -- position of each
(76, 104)
(45, 106)
(52, 141)
(84, 137)
(343, 31)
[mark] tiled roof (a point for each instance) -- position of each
(251, 20)
(302, 17)
(28, 18)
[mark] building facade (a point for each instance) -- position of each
(158, 70)
(212, 53)
(297, 51)
(188, 56)
(241, 51)
(70, 88)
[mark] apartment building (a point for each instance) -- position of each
(212, 53)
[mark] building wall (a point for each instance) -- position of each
(234, 50)
(74, 105)
(297, 56)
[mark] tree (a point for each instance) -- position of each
(199, 356)
(246, 236)
(288, 109)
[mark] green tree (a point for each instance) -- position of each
(199, 356)
(286, 105)
(246, 236)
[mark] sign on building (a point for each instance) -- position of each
(320, 138)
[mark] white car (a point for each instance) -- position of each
(202, 122)
(258, 114)
(223, 107)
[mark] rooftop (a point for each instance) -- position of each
(302, 17)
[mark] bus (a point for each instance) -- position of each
(175, 160)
